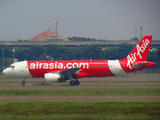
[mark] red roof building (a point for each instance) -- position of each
(49, 35)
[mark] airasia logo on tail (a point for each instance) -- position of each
(139, 53)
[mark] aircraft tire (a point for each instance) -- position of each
(23, 83)
(72, 82)
(77, 82)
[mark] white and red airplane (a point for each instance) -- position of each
(60, 71)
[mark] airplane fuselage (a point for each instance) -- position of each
(88, 68)
(60, 71)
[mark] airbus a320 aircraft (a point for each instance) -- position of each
(60, 71)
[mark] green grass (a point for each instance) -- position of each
(154, 91)
(78, 111)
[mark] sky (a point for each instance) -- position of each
(99, 19)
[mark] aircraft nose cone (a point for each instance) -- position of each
(5, 71)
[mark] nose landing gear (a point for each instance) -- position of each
(23, 82)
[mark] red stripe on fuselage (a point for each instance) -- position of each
(88, 68)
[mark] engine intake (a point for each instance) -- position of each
(49, 77)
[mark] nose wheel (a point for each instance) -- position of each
(23, 82)
(76, 82)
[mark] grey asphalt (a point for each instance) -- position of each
(14, 83)
(79, 98)
(38, 83)
(124, 78)
(39, 86)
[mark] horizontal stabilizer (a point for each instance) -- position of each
(140, 64)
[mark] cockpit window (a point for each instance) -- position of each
(12, 66)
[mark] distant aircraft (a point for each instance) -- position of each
(60, 71)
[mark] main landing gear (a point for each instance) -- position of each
(76, 82)
(23, 82)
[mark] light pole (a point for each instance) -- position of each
(3, 57)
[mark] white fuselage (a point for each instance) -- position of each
(19, 69)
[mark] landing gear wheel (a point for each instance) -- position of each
(77, 82)
(72, 82)
(23, 83)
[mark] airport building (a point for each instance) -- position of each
(49, 35)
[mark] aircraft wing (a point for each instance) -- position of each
(69, 72)
(140, 64)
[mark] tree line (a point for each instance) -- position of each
(83, 39)
(58, 52)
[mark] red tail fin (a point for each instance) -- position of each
(139, 53)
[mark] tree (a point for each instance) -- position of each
(7, 51)
(158, 57)
(21, 54)
(154, 56)
(123, 50)
(90, 52)
(117, 53)
(35, 51)
(109, 54)
(56, 52)
(5, 55)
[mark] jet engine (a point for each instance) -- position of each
(51, 77)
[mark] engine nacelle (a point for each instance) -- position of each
(50, 77)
